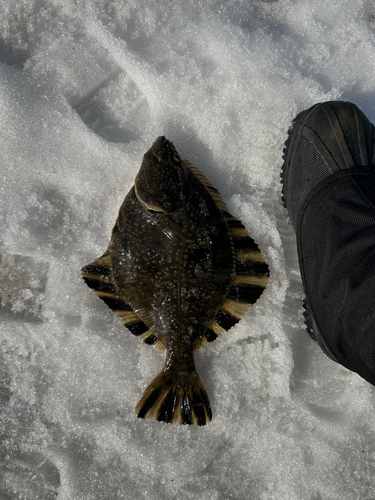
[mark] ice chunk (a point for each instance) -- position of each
(28, 475)
(22, 286)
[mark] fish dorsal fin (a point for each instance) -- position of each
(252, 273)
(251, 279)
(98, 277)
(210, 188)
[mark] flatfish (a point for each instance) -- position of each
(179, 271)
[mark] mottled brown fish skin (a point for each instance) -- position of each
(177, 271)
(180, 270)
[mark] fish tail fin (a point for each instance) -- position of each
(176, 400)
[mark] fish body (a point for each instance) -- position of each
(176, 275)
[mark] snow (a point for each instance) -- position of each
(85, 88)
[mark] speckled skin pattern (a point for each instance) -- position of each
(172, 254)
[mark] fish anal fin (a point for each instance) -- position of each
(175, 400)
(243, 293)
(217, 329)
(235, 308)
(211, 334)
(252, 274)
(228, 315)
(150, 338)
(251, 279)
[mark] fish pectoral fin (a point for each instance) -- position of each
(172, 230)
(97, 276)
(177, 401)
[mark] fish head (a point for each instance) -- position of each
(158, 185)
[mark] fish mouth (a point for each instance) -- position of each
(163, 150)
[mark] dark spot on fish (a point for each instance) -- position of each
(234, 223)
(151, 340)
(198, 409)
(149, 403)
(245, 293)
(210, 335)
(100, 285)
(244, 244)
(251, 267)
(225, 320)
(100, 271)
(138, 328)
(116, 304)
(168, 407)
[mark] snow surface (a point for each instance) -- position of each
(85, 88)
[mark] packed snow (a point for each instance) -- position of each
(85, 88)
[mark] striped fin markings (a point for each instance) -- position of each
(97, 276)
(173, 400)
(252, 273)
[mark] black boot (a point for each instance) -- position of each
(329, 189)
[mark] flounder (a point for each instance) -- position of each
(179, 271)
